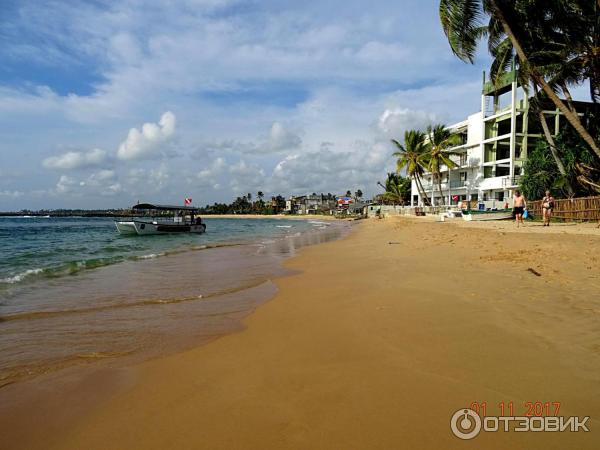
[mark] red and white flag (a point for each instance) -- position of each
(187, 201)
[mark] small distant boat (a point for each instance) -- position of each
(476, 215)
(163, 219)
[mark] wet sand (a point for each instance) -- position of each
(373, 343)
(275, 216)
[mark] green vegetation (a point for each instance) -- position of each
(245, 205)
(397, 190)
(542, 172)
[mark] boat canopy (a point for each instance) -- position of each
(165, 207)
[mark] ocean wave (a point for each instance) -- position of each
(150, 256)
(74, 267)
(66, 268)
(21, 276)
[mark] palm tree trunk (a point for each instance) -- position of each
(439, 180)
(553, 150)
(567, 93)
(422, 190)
(572, 117)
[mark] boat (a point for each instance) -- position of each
(162, 219)
(478, 215)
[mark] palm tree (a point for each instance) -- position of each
(397, 189)
(502, 51)
(556, 22)
(439, 140)
(412, 156)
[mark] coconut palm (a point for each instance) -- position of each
(439, 141)
(554, 24)
(560, 67)
(397, 189)
(412, 156)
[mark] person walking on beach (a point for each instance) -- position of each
(519, 206)
(547, 207)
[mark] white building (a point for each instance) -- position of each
(494, 144)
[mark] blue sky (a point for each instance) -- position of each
(105, 103)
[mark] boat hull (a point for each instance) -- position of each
(147, 228)
(125, 227)
(487, 215)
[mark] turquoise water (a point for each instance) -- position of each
(73, 291)
(35, 248)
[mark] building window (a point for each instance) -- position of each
(504, 127)
(463, 176)
(463, 159)
(502, 171)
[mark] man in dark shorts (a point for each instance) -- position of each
(519, 205)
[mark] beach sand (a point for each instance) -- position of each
(373, 343)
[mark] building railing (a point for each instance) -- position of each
(453, 184)
(508, 181)
(457, 184)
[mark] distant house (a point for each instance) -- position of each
(309, 204)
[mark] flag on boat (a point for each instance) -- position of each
(187, 201)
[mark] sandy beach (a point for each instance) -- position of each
(373, 343)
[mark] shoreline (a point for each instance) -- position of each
(143, 307)
(370, 345)
(274, 216)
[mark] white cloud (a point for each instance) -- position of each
(246, 177)
(76, 160)
(327, 170)
(281, 139)
(66, 184)
(394, 122)
(103, 183)
(209, 176)
(11, 194)
(146, 143)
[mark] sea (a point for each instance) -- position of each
(75, 292)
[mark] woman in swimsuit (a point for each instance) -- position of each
(519, 206)
(547, 207)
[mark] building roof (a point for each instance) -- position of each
(165, 207)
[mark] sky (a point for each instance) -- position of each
(105, 103)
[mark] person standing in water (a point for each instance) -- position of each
(547, 207)
(519, 205)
